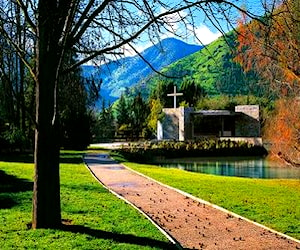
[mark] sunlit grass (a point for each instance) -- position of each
(99, 220)
(274, 203)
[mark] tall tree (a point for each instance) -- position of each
(192, 91)
(122, 112)
(155, 114)
(93, 29)
(271, 46)
(138, 114)
(103, 127)
(13, 78)
(161, 91)
(283, 129)
(73, 102)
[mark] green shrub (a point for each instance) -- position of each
(146, 151)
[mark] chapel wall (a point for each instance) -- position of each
(170, 123)
(247, 124)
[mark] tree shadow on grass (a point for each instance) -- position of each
(8, 186)
(65, 157)
(71, 157)
(122, 238)
(17, 157)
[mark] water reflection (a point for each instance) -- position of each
(241, 167)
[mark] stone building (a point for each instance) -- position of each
(188, 124)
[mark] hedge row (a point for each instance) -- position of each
(147, 151)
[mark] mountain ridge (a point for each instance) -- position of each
(129, 71)
(214, 69)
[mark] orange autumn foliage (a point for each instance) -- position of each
(272, 46)
(283, 130)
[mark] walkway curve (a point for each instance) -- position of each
(192, 222)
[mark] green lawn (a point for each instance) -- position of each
(274, 203)
(99, 220)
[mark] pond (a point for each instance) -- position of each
(252, 167)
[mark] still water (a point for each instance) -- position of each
(241, 167)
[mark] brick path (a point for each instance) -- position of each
(193, 223)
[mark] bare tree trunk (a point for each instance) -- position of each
(46, 198)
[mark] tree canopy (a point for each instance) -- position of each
(271, 46)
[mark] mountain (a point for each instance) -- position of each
(214, 69)
(127, 72)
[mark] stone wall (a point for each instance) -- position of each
(176, 124)
(170, 124)
(247, 121)
(185, 124)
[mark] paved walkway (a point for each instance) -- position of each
(193, 223)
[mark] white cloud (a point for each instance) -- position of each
(204, 34)
(129, 51)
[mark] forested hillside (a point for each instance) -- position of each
(117, 76)
(214, 70)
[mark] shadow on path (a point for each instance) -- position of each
(10, 184)
(122, 238)
(99, 159)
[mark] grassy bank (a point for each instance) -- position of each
(98, 219)
(274, 203)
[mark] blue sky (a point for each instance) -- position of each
(205, 31)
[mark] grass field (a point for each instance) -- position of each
(273, 203)
(99, 220)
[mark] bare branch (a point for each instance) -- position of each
(82, 17)
(141, 56)
(88, 21)
(135, 35)
(27, 17)
(21, 53)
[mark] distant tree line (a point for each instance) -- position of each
(134, 117)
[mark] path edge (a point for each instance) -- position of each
(165, 233)
(214, 206)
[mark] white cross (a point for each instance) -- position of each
(175, 94)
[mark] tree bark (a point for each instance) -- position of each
(46, 197)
